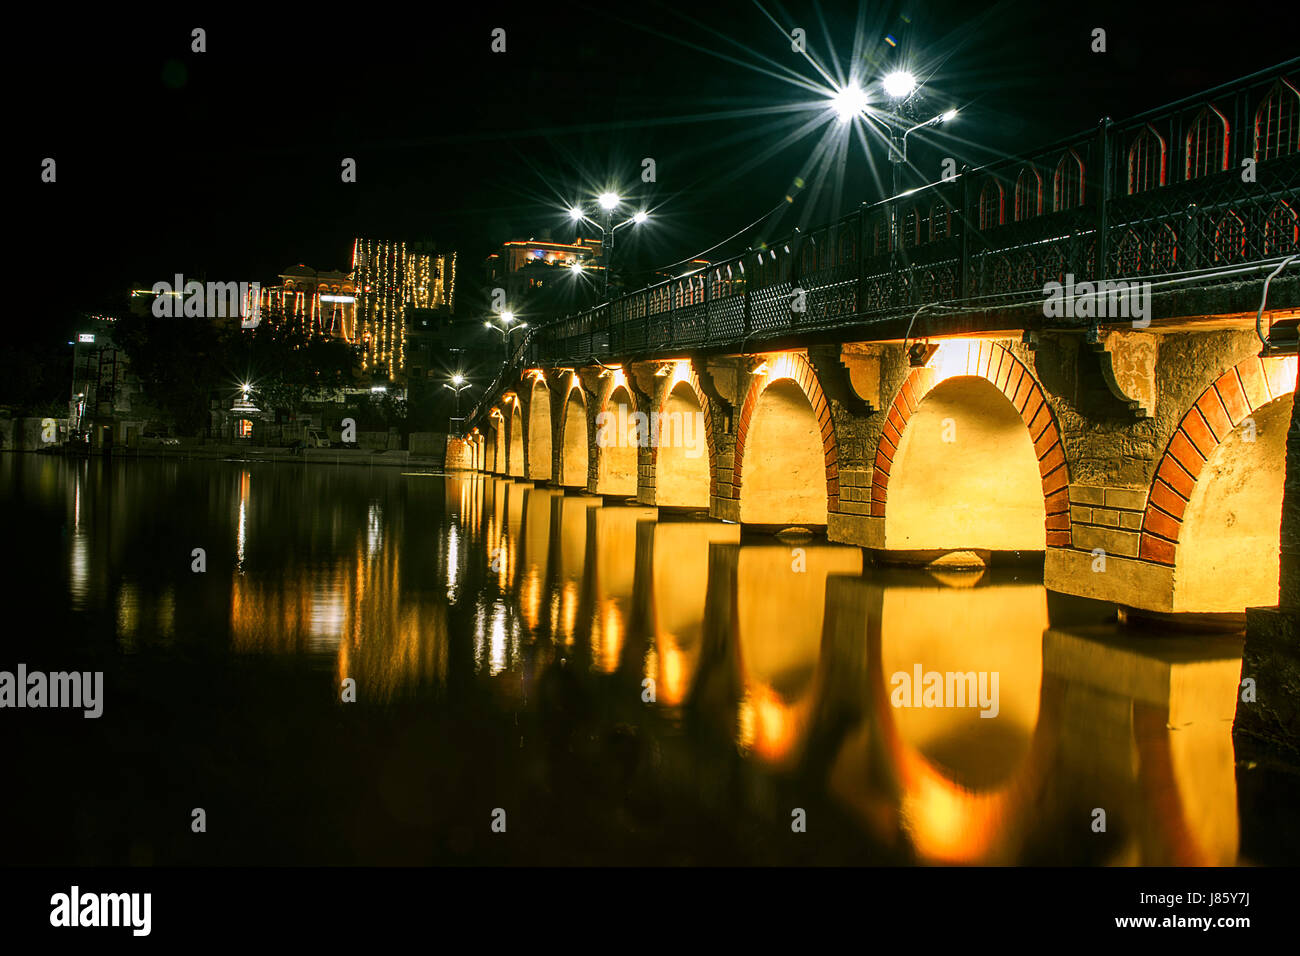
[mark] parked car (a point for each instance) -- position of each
(314, 439)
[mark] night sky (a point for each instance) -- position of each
(226, 164)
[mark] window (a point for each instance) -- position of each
(1067, 182)
(1146, 161)
(1277, 122)
(1206, 144)
(991, 205)
(1029, 194)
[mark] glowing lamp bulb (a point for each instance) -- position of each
(608, 200)
(575, 213)
(949, 116)
(849, 102)
(898, 84)
(640, 217)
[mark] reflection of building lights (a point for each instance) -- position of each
(374, 528)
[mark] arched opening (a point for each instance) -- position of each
(965, 476)
(784, 478)
(682, 466)
(516, 457)
(1228, 545)
(573, 452)
(616, 439)
(539, 433)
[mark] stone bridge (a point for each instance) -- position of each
(910, 380)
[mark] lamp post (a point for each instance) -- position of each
(608, 202)
(457, 385)
(506, 330)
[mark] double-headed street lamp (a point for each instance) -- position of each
(608, 202)
(457, 384)
(899, 86)
(506, 328)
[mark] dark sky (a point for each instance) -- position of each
(226, 164)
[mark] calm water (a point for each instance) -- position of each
(504, 641)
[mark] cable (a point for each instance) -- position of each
(674, 265)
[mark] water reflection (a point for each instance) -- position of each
(741, 665)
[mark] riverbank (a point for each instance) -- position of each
(237, 452)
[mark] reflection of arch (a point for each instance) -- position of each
(1206, 144)
(785, 426)
(958, 360)
(539, 431)
(616, 444)
(776, 632)
(573, 439)
(683, 455)
(1067, 182)
(1214, 503)
(949, 820)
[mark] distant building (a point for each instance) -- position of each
(318, 302)
(390, 280)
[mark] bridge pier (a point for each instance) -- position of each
(1144, 471)
(1271, 657)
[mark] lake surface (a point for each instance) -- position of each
(608, 687)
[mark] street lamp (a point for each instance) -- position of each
(457, 385)
(608, 201)
(506, 330)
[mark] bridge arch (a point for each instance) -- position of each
(573, 438)
(971, 458)
(539, 430)
(515, 439)
(1214, 508)
(785, 442)
(497, 457)
(616, 442)
(684, 464)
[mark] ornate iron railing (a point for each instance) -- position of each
(1206, 183)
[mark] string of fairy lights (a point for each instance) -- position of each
(387, 278)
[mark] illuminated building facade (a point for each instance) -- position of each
(316, 302)
(391, 279)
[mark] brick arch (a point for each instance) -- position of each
(996, 364)
(1243, 389)
(559, 426)
(798, 369)
(693, 381)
